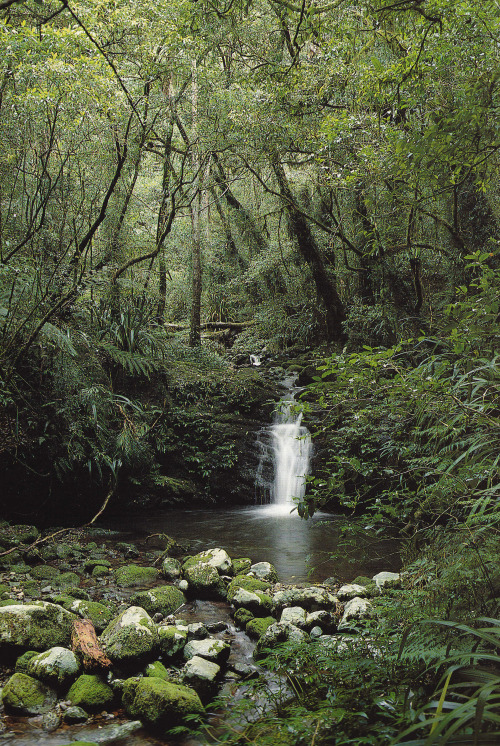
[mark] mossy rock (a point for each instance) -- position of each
(65, 580)
(99, 614)
(256, 627)
(172, 640)
(165, 599)
(8, 602)
(241, 565)
(131, 638)
(160, 704)
(36, 626)
(89, 564)
(57, 667)
(205, 582)
(91, 693)
(45, 572)
(100, 571)
(158, 670)
(130, 576)
(242, 616)
(247, 583)
(11, 536)
(4, 590)
(24, 695)
(23, 661)
(31, 588)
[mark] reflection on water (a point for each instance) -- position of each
(300, 550)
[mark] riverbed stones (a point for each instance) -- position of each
(24, 695)
(278, 633)
(218, 558)
(209, 648)
(260, 604)
(36, 626)
(57, 667)
(131, 637)
(91, 693)
(130, 576)
(99, 614)
(351, 590)
(164, 599)
(201, 674)
(294, 615)
(247, 582)
(255, 628)
(387, 580)
(160, 704)
(264, 571)
(356, 610)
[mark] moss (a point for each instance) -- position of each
(172, 640)
(65, 580)
(90, 692)
(23, 661)
(256, 627)
(205, 582)
(160, 704)
(4, 590)
(166, 600)
(44, 572)
(247, 583)
(129, 576)
(241, 565)
(156, 669)
(100, 571)
(99, 614)
(8, 602)
(23, 695)
(242, 616)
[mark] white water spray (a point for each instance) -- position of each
(286, 450)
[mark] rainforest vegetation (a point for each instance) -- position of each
(186, 183)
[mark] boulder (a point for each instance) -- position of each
(160, 704)
(171, 568)
(172, 640)
(351, 590)
(91, 693)
(23, 695)
(248, 583)
(321, 618)
(165, 599)
(387, 580)
(216, 558)
(241, 565)
(260, 604)
(157, 669)
(209, 648)
(36, 626)
(294, 615)
(204, 581)
(57, 667)
(130, 576)
(264, 571)
(22, 663)
(131, 637)
(99, 614)
(74, 715)
(313, 598)
(242, 616)
(356, 610)
(255, 628)
(201, 674)
(278, 633)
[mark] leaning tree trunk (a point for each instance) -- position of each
(301, 231)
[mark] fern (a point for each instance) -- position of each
(132, 362)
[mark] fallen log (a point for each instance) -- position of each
(85, 645)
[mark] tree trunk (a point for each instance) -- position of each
(196, 281)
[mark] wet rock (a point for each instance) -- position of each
(204, 581)
(201, 674)
(387, 580)
(260, 604)
(160, 704)
(248, 583)
(74, 714)
(165, 599)
(22, 663)
(356, 610)
(321, 618)
(24, 695)
(57, 667)
(242, 616)
(131, 637)
(241, 565)
(264, 571)
(255, 628)
(51, 721)
(312, 599)
(277, 633)
(216, 558)
(129, 576)
(315, 633)
(171, 568)
(209, 648)
(36, 626)
(99, 614)
(196, 631)
(91, 693)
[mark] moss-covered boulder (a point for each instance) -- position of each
(260, 604)
(158, 670)
(264, 571)
(99, 614)
(204, 582)
(37, 626)
(248, 583)
(160, 704)
(216, 558)
(172, 640)
(209, 648)
(91, 693)
(57, 667)
(100, 571)
(201, 674)
(22, 663)
(131, 638)
(241, 565)
(255, 628)
(11, 536)
(133, 576)
(171, 568)
(24, 695)
(242, 616)
(65, 580)
(165, 599)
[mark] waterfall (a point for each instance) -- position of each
(285, 456)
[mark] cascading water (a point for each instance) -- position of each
(286, 450)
